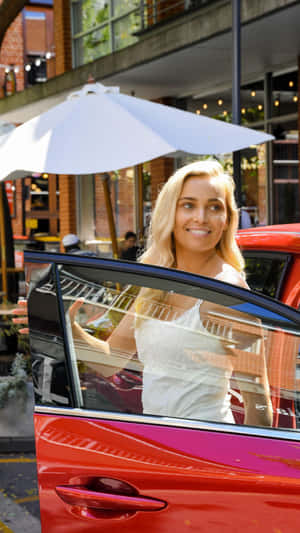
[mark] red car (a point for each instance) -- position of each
(105, 463)
(272, 256)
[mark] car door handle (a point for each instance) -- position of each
(103, 501)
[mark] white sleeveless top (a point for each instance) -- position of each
(178, 379)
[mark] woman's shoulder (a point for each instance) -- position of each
(229, 274)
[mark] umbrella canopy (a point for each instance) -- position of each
(98, 129)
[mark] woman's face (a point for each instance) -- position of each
(201, 215)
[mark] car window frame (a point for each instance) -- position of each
(174, 279)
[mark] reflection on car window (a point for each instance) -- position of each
(264, 274)
(145, 350)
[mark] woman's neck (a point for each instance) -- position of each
(204, 263)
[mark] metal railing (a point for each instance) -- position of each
(153, 12)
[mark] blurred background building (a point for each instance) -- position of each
(177, 52)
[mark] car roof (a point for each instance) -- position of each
(279, 238)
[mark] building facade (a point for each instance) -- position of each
(177, 52)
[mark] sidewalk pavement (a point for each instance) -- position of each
(14, 519)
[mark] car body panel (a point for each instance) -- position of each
(281, 238)
(210, 482)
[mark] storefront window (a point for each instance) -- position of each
(285, 178)
(39, 193)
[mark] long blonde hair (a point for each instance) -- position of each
(160, 246)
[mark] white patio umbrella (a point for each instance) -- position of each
(98, 129)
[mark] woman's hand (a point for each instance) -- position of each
(22, 311)
(73, 310)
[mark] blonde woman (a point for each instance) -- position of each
(187, 369)
(192, 229)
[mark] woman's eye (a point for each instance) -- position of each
(187, 205)
(216, 207)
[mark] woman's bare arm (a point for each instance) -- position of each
(106, 357)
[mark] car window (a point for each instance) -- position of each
(265, 272)
(175, 350)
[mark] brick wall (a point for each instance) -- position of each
(125, 199)
(161, 169)
(12, 51)
(36, 36)
(67, 205)
(17, 221)
(62, 36)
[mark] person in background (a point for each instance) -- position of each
(71, 244)
(130, 249)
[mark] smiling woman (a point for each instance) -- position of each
(187, 367)
(194, 224)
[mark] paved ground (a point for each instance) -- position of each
(19, 505)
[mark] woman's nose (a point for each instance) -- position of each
(200, 215)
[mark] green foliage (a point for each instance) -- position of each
(14, 386)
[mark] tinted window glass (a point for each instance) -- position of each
(49, 371)
(264, 274)
(180, 352)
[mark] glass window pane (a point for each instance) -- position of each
(123, 6)
(39, 193)
(87, 14)
(144, 350)
(264, 274)
(123, 31)
(92, 46)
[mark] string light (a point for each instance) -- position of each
(205, 106)
(220, 102)
(243, 111)
(295, 98)
(38, 62)
(28, 67)
(198, 111)
(253, 93)
(277, 102)
(259, 107)
(225, 113)
(291, 83)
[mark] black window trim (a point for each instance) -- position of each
(182, 279)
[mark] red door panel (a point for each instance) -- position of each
(203, 481)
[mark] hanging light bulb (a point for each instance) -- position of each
(38, 62)
(253, 93)
(295, 98)
(220, 102)
(198, 111)
(28, 67)
(277, 102)
(260, 107)
(205, 106)
(225, 113)
(243, 111)
(291, 83)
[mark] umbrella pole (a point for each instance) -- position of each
(110, 216)
(3, 244)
